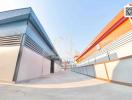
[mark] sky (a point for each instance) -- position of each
(70, 24)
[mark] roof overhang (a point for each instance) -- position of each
(26, 14)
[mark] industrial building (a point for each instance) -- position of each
(109, 55)
(26, 51)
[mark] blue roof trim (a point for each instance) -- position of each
(26, 14)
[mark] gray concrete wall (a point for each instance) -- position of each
(118, 70)
(88, 70)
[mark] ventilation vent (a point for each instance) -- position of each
(10, 40)
(126, 38)
(32, 45)
(45, 54)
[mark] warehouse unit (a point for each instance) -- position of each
(110, 53)
(25, 49)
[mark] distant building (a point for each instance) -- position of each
(26, 51)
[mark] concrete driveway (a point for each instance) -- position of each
(65, 86)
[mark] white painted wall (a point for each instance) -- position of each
(57, 67)
(30, 66)
(100, 71)
(8, 59)
(120, 70)
(46, 66)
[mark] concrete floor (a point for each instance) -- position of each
(65, 86)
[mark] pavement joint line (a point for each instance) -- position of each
(78, 84)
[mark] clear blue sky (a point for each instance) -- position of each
(70, 24)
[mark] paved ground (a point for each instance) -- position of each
(65, 86)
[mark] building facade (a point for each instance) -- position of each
(109, 55)
(26, 51)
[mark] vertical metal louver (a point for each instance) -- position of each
(32, 45)
(10, 40)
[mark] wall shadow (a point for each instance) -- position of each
(122, 71)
